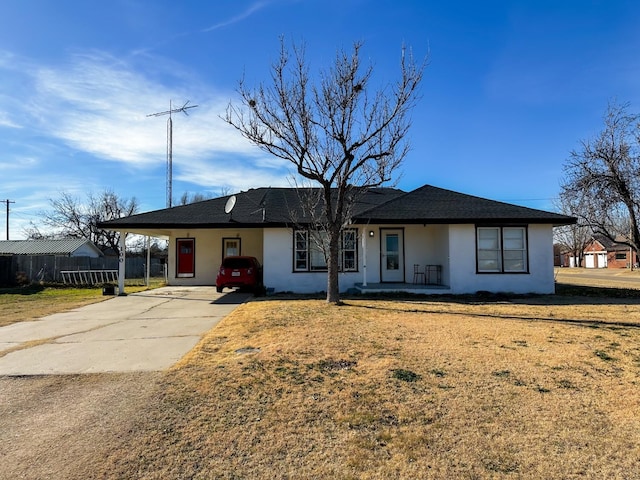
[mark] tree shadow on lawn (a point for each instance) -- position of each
(566, 295)
(590, 323)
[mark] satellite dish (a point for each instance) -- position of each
(230, 204)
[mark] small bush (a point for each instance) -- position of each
(405, 375)
(602, 355)
(22, 278)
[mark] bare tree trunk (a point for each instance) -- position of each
(333, 287)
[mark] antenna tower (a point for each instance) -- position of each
(171, 110)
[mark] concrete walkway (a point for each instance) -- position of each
(146, 331)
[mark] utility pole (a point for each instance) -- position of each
(7, 202)
(171, 110)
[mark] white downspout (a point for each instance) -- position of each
(121, 264)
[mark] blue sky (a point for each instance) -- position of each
(510, 89)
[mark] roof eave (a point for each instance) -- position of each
(461, 221)
(175, 226)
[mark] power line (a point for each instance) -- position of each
(7, 202)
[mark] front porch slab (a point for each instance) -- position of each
(413, 288)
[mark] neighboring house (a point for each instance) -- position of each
(67, 247)
(563, 257)
(560, 256)
(458, 243)
(601, 252)
(25, 261)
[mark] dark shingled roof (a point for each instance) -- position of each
(609, 245)
(273, 207)
(430, 204)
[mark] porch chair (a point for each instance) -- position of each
(418, 275)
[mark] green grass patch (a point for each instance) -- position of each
(602, 355)
(30, 302)
(405, 375)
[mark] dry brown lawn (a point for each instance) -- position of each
(544, 387)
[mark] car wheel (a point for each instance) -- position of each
(219, 289)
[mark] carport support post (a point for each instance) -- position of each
(121, 263)
(364, 257)
(148, 272)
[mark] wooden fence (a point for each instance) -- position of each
(49, 268)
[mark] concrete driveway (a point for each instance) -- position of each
(145, 331)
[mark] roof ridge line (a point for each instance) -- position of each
(403, 194)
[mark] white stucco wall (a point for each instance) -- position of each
(422, 245)
(451, 246)
(464, 278)
(426, 245)
(208, 251)
(278, 267)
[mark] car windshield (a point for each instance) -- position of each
(236, 263)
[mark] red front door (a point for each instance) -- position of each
(186, 257)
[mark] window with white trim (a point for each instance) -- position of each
(501, 249)
(309, 253)
(318, 250)
(348, 252)
(300, 250)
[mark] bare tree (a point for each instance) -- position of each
(573, 239)
(340, 133)
(603, 178)
(69, 217)
(188, 198)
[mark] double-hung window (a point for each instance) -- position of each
(501, 250)
(310, 249)
(348, 252)
(300, 250)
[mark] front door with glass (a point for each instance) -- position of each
(392, 252)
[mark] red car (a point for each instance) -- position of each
(243, 272)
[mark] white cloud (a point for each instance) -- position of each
(97, 105)
(253, 8)
(5, 121)
(100, 105)
(230, 173)
(84, 125)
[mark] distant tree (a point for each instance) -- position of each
(137, 245)
(339, 132)
(188, 198)
(33, 232)
(573, 239)
(69, 217)
(603, 178)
